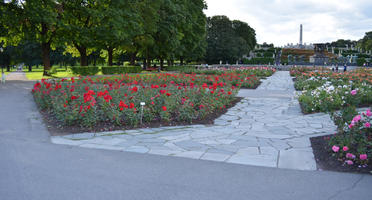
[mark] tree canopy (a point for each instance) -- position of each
(147, 30)
(228, 40)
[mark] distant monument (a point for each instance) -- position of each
(301, 46)
(319, 57)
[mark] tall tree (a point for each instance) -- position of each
(80, 21)
(225, 41)
(32, 20)
(366, 42)
(193, 43)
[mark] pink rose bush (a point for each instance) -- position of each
(356, 138)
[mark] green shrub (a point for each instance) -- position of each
(121, 69)
(178, 68)
(85, 70)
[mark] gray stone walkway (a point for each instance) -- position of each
(16, 76)
(266, 128)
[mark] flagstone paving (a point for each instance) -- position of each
(266, 128)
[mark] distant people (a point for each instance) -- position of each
(345, 68)
(336, 67)
(333, 68)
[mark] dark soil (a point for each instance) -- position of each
(326, 161)
(55, 127)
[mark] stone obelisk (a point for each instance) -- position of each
(300, 36)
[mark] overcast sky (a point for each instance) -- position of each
(278, 21)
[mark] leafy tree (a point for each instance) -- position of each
(193, 42)
(36, 21)
(366, 42)
(120, 22)
(224, 40)
(80, 18)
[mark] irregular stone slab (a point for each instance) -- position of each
(215, 157)
(297, 159)
(257, 160)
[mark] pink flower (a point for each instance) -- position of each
(349, 162)
(357, 118)
(368, 113)
(367, 125)
(350, 156)
(335, 148)
(351, 125)
(345, 148)
(363, 156)
(353, 92)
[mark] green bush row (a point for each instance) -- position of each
(121, 69)
(85, 70)
(93, 70)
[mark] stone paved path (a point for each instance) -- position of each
(266, 128)
(19, 76)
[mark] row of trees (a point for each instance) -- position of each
(165, 30)
(150, 29)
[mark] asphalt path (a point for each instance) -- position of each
(31, 167)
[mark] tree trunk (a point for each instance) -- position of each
(30, 68)
(181, 60)
(133, 58)
(83, 55)
(45, 47)
(148, 62)
(110, 51)
(144, 64)
(8, 68)
(161, 64)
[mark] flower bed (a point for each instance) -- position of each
(339, 94)
(256, 71)
(353, 142)
(115, 101)
(329, 91)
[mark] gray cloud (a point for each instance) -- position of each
(278, 21)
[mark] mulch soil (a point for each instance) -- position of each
(55, 128)
(326, 161)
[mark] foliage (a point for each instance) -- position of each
(353, 142)
(226, 42)
(85, 70)
(121, 69)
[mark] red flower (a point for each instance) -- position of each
(134, 89)
(73, 97)
(164, 108)
(168, 94)
(107, 98)
(131, 105)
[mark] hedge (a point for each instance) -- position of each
(121, 69)
(178, 68)
(93, 70)
(85, 70)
